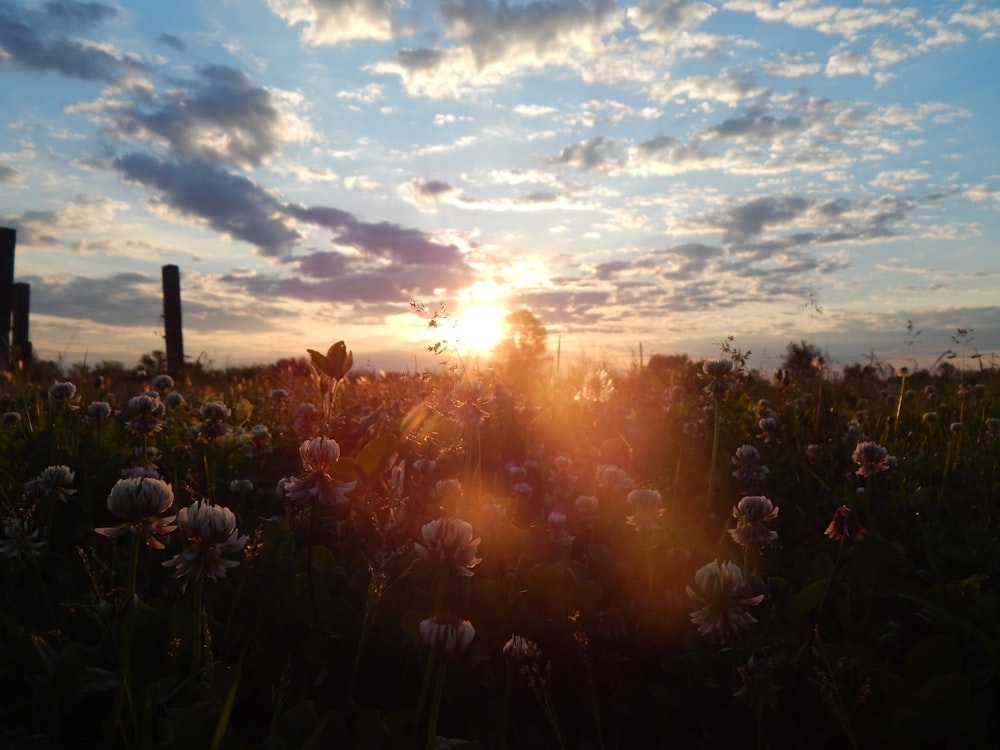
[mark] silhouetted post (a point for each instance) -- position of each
(172, 318)
(8, 238)
(20, 345)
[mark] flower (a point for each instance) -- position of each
(717, 368)
(450, 540)
(446, 634)
(318, 455)
(148, 409)
(597, 387)
(62, 393)
(751, 512)
(140, 501)
(871, 458)
(750, 470)
(845, 525)
(20, 541)
(56, 480)
(211, 529)
(213, 413)
(722, 593)
(98, 410)
(648, 506)
(162, 382)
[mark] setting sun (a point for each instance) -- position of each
(479, 326)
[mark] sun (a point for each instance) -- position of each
(479, 326)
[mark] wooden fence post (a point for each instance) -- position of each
(172, 319)
(8, 238)
(20, 344)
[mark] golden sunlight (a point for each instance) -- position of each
(479, 326)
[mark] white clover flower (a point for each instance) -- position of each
(162, 382)
(56, 480)
(62, 393)
(648, 505)
(140, 501)
(871, 458)
(723, 596)
(446, 634)
(319, 454)
(751, 514)
(451, 541)
(212, 531)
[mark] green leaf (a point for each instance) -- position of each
(807, 600)
(936, 656)
(318, 361)
(374, 457)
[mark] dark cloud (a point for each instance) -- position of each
(43, 38)
(220, 100)
(754, 125)
(686, 261)
(432, 188)
(8, 175)
(136, 300)
(229, 203)
(416, 60)
(747, 220)
(172, 41)
(381, 239)
(596, 154)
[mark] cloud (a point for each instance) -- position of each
(593, 155)
(174, 42)
(498, 41)
(218, 116)
(44, 38)
(337, 21)
(10, 175)
(727, 87)
(229, 203)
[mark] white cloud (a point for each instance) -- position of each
(336, 21)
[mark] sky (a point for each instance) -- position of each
(654, 175)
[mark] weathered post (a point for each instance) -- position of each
(8, 238)
(172, 319)
(20, 344)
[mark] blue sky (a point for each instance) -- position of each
(663, 173)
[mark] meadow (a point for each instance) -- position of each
(691, 555)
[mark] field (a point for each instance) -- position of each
(691, 555)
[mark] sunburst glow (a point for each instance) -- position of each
(479, 326)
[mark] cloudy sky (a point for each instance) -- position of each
(664, 173)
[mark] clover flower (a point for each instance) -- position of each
(20, 542)
(648, 505)
(845, 525)
(318, 456)
(10, 417)
(556, 523)
(173, 399)
(213, 414)
(672, 396)
(993, 427)
(597, 387)
(450, 540)
(751, 514)
(718, 367)
(97, 411)
(465, 402)
(62, 393)
(212, 531)
(162, 382)
(446, 634)
(871, 458)
(260, 441)
(55, 480)
(747, 459)
(148, 409)
(724, 598)
(139, 501)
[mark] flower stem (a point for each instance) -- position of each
(124, 690)
(197, 639)
(432, 721)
